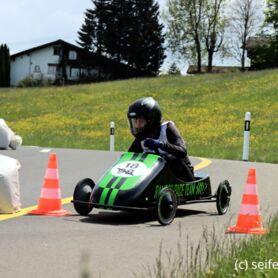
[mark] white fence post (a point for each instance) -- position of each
(247, 123)
(112, 136)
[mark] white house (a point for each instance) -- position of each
(51, 61)
(62, 61)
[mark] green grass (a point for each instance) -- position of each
(208, 110)
(256, 254)
(233, 255)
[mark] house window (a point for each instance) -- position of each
(37, 69)
(74, 73)
(56, 50)
(72, 55)
(52, 69)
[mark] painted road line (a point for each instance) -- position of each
(45, 150)
(204, 163)
(24, 211)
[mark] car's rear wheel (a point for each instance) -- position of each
(82, 193)
(166, 206)
(223, 196)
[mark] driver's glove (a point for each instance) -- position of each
(152, 144)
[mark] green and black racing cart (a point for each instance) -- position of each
(142, 181)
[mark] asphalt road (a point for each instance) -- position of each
(118, 244)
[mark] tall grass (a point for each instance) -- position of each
(220, 257)
(207, 109)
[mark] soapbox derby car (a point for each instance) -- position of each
(142, 181)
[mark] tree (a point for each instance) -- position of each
(265, 55)
(4, 66)
(272, 14)
(91, 34)
(119, 23)
(185, 26)
(215, 24)
(127, 31)
(174, 70)
(196, 27)
(245, 22)
(145, 39)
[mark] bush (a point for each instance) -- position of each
(29, 81)
(263, 57)
(174, 70)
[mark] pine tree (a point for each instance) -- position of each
(4, 66)
(1, 66)
(7, 66)
(119, 20)
(87, 31)
(145, 40)
(127, 31)
(92, 30)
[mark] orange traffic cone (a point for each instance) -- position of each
(249, 218)
(50, 199)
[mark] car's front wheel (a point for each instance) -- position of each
(82, 193)
(223, 196)
(166, 206)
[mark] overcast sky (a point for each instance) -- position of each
(28, 23)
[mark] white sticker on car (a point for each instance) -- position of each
(129, 169)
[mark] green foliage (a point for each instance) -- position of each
(174, 70)
(185, 29)
(265, 56)
(127, 31)
(29, 81)
(195, 27)
(246, 21)
(91, 34)
(215, 256)
(4, 66)
(265, 53)
(272, 14)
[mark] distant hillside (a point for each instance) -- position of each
(208, 110)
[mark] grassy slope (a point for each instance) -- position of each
(208, 110)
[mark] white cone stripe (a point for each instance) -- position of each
(251, 189)
(51, 193)
(249, 209)
(52, 174)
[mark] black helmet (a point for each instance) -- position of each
(148, 110)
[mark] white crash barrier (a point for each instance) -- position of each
(9, 185)
(7, 137)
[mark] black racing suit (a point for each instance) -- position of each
(180, 164)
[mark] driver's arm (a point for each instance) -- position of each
(136, 147)
(176, 145)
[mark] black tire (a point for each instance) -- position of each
(82, 193)
(223, 196)
(166, 206)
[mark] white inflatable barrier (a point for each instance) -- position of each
(7, 137)
(9, 185)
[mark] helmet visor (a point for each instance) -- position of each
(137, 125)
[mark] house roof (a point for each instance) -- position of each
(57, 42)
(98, 60)
(215, 69)
(253, 42)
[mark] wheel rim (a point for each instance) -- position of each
(166, 207)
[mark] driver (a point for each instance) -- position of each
(144, 117)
